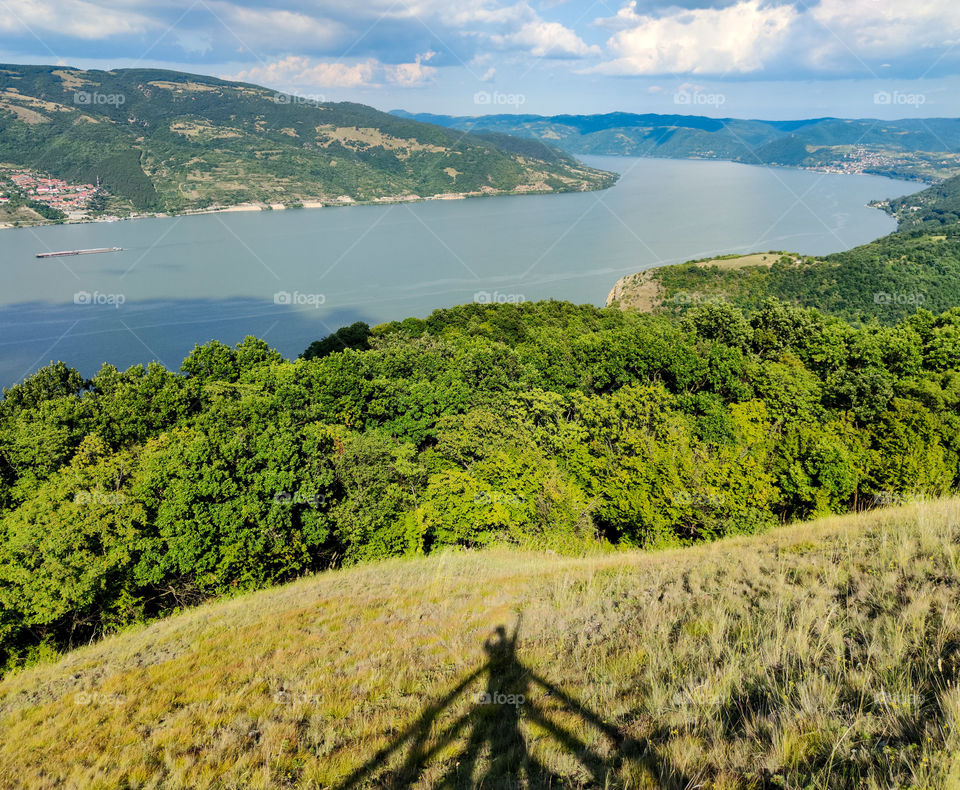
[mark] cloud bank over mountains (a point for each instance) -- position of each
(409, 44)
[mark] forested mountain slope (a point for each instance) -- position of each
(168, 141)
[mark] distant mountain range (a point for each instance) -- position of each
(167, 141)
(923, 148)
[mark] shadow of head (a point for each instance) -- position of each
(499, 647)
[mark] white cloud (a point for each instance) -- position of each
(753, 36)
(514, 26)
(740, 38)
(881, 29)
(547, 40)
(773, 38)
(75, 18)
(409, 75)
(195, 42)
(626, 17)
(260, 28)
(302, 71)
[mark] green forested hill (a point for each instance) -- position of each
(167, 141)
(885, 280)
(920, 148)
(140, 491)
(931, 209)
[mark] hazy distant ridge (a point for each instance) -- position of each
(924, 148)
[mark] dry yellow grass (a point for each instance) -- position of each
(204, 130)
(23, 113)
(639, 291)
(184, 87)
(19, 214)
(766, 259)
(360, 139)
(821, 655)
(72, 80)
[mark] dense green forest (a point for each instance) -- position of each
(885, 280)
(170, 141)
(138, 492)
(930, 209)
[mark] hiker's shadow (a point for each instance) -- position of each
(497, 754)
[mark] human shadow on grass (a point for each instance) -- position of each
(497, 754)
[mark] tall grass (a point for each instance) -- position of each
(822, 655)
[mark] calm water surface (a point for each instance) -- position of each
(187, 280)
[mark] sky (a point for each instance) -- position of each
(739, 58)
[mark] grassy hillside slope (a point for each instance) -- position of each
(167, 141)
(821, 655)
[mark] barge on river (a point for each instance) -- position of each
(77, 252)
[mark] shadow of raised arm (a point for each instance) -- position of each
(628, 748)
(418, 731)
(493, 727)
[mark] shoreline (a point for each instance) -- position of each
(345, 200)
(340, 202)
(829, 169)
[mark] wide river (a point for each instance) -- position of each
(291, 277)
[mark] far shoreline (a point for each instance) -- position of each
(306, 204)
(345, 201)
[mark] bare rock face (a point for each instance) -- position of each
(639, 291)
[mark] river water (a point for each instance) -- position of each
(291, 277)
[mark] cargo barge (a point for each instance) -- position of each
(77, 252)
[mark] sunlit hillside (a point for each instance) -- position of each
(820, 655)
